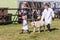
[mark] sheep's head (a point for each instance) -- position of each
(33, 23)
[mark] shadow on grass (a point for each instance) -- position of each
(52, 29)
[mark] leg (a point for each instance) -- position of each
(44, 28)
(48, 26)
(28, 31)
(39, 29)
(34, 29)
(22, 31)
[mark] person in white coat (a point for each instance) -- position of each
(47, 15)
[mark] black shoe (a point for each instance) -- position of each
(21, 33)
(49, 31)
(28, 31)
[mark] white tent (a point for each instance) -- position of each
(42, 0)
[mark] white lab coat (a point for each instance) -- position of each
(25, 25)
(47, 15)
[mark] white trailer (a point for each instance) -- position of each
(40, 3)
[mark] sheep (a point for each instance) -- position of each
(38, 24)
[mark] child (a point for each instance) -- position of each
(25, 24)
(24, 17)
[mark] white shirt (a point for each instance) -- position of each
(23, 11)
(47, 15)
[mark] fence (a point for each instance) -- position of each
(6, 18)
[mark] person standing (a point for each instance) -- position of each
(34, 14)
(47, 15)
(24, 17)
(39, 14)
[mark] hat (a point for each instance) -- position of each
(47, 4)
(24, 2)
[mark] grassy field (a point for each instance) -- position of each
(11, 32)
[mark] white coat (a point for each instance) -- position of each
(47, 15)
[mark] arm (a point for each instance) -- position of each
(52, 14)
(43, 15)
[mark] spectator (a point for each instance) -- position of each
(34, 14)
(24, 17)
(39, 14)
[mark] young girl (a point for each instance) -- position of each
(24, 17)
(25, 24)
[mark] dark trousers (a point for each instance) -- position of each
(48, 26)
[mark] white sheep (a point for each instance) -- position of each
(38, 24)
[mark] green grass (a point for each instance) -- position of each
(11, 32)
